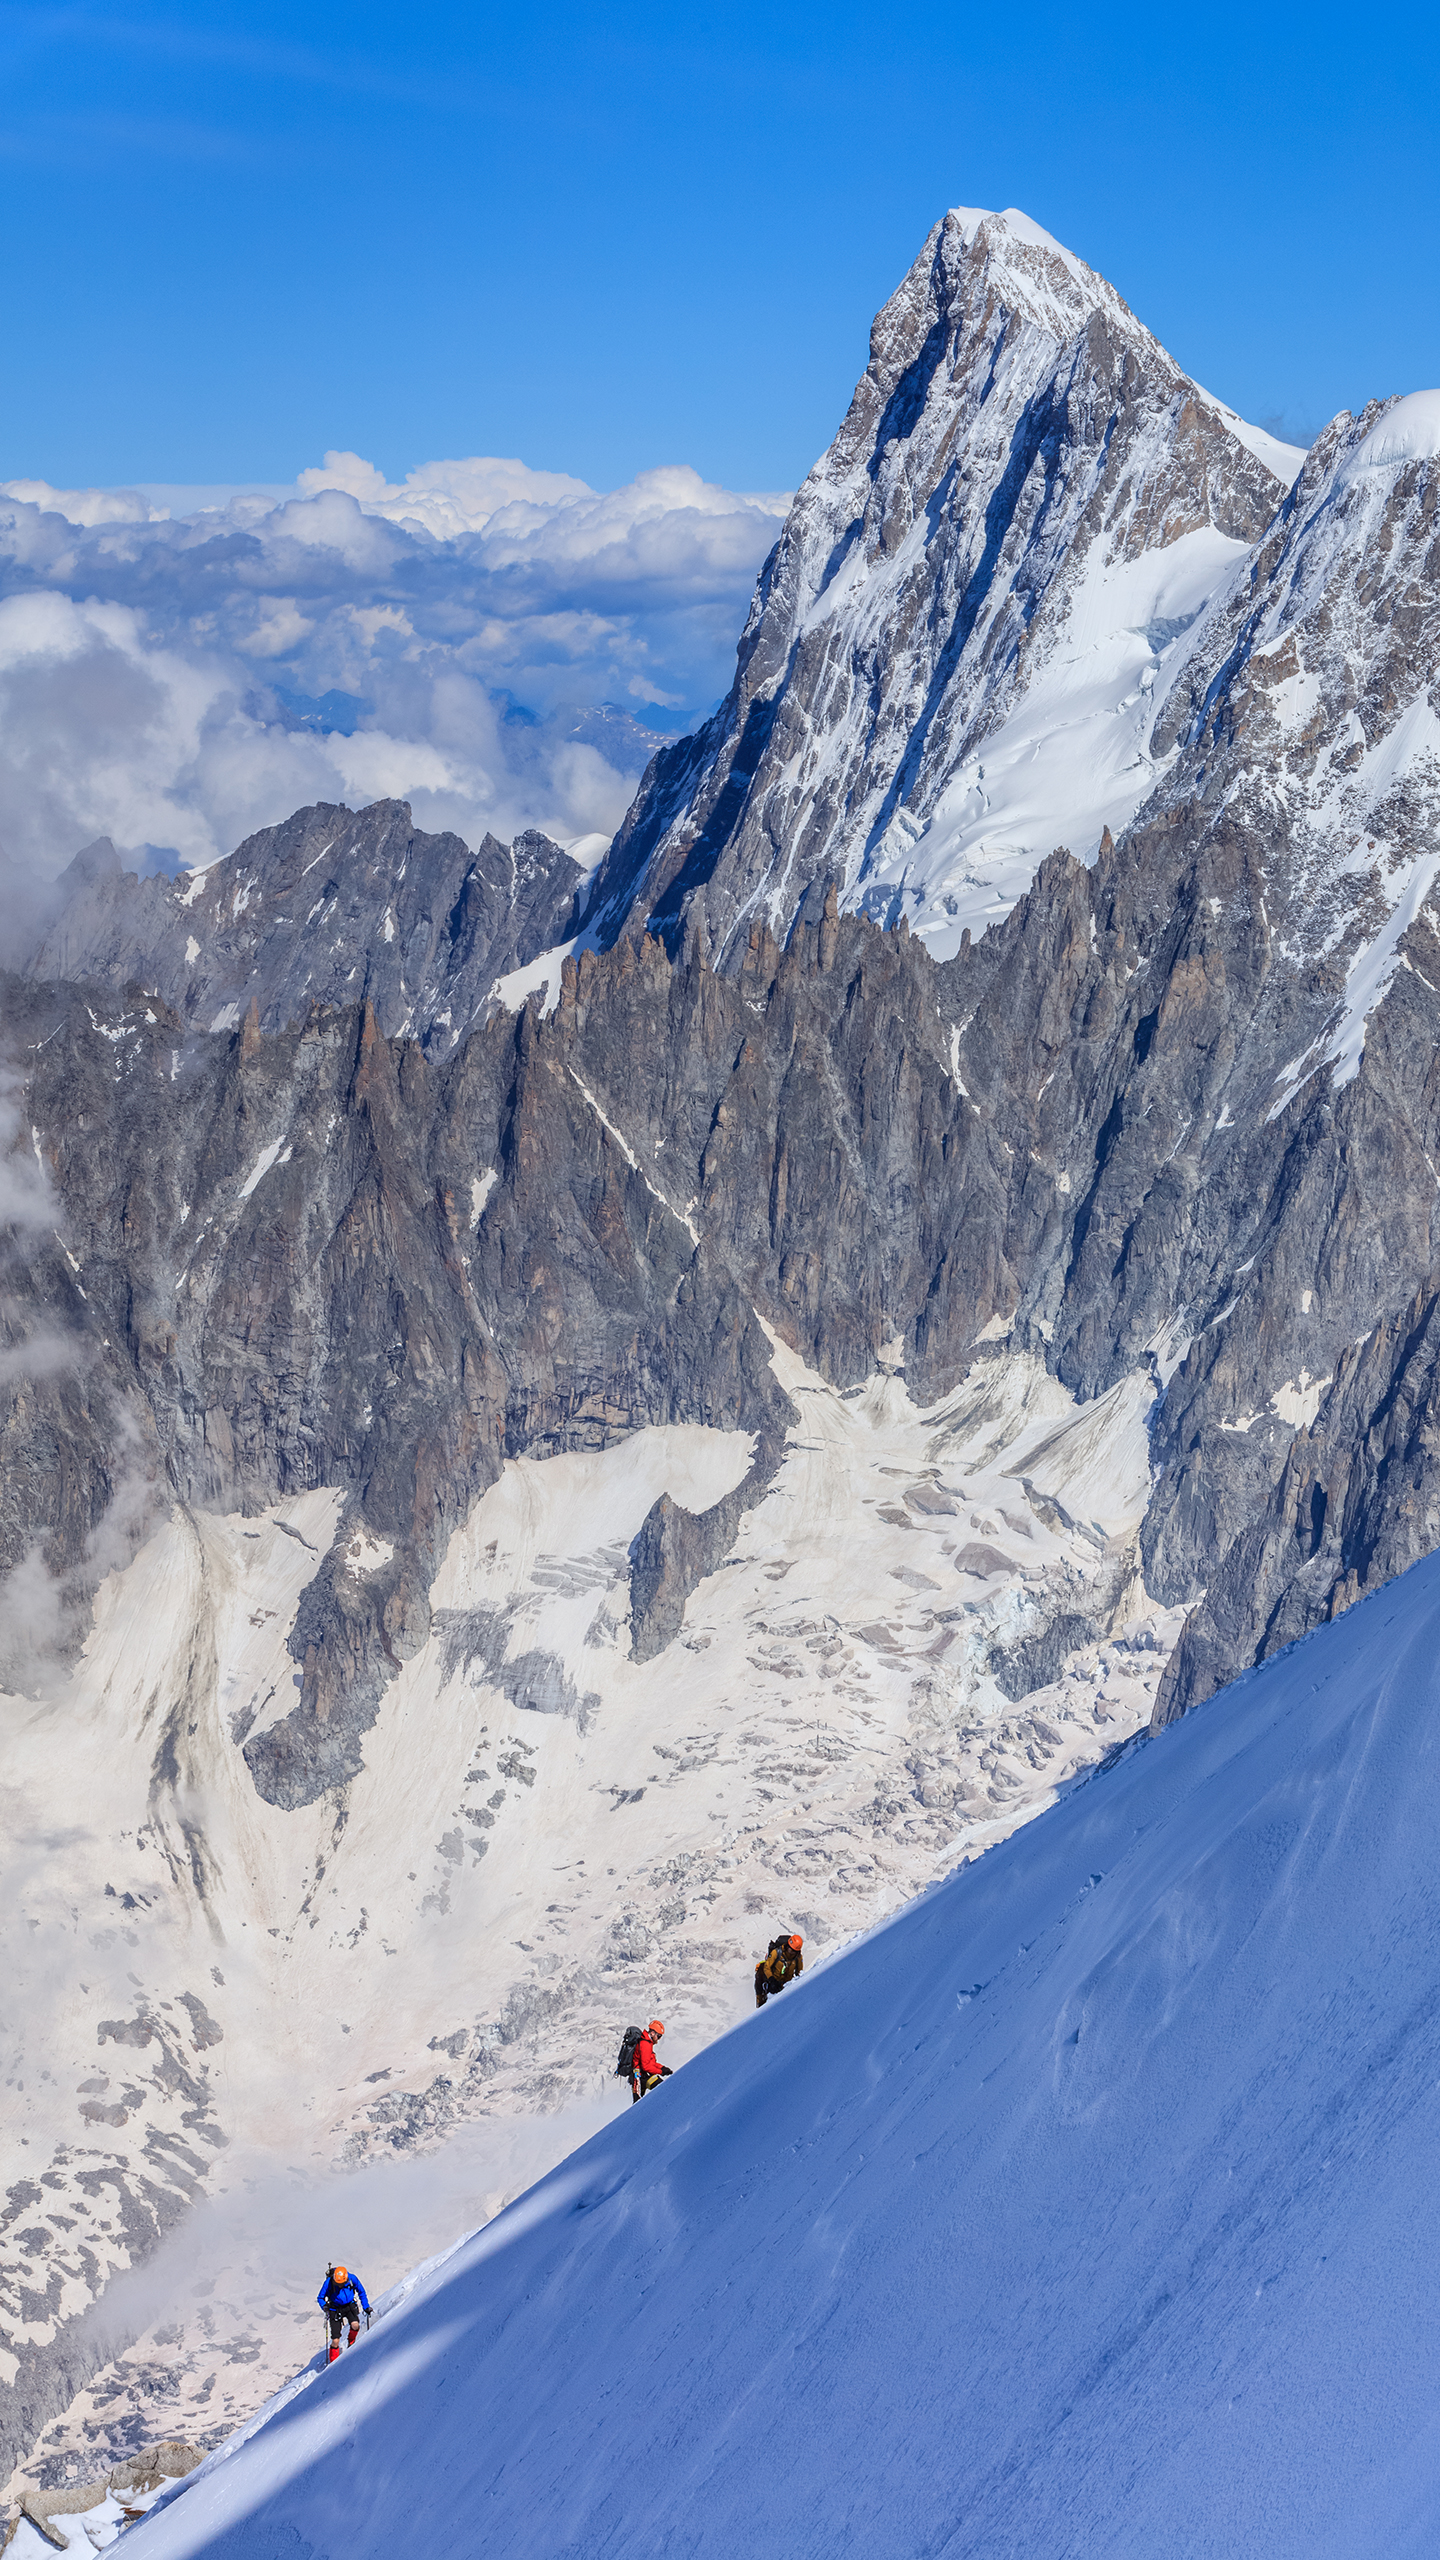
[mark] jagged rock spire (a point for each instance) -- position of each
(1025, 507)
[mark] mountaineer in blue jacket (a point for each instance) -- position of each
(342, 2297)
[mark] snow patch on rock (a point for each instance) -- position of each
(279, 1151)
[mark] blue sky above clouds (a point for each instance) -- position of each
(639, 250)
(498, 646)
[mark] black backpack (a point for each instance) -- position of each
(626, 2063)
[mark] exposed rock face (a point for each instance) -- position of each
(675, 1549)
(334, 907)
(1222, 1104)
(131, 2484)
(313, 1260)
(1356, 1502)
(1022, 471)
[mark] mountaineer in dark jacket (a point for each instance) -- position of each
(342, 2298)
(778, 1966)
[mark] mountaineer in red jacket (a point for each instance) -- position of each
(647, 2070)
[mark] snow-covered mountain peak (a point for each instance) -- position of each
(1036, 267)
(1318, 653)
(955, 653)
(1407, 431)
(979, 276)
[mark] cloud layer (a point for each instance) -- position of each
(476, 639)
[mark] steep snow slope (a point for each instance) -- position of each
(1087, 2207)
(982, 593)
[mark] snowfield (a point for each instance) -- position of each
(1073, 756)
(1089, 2206)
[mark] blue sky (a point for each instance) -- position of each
(603, 240)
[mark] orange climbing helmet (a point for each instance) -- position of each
(656, 2027)
(340, 2274)
(797, 1940)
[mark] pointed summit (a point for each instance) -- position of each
(955, 652)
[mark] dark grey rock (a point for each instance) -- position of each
(1039, 1656)
(335, 907)
(1109, 1171)
(674, 1549)
(1357, 1501)
(532, 1680)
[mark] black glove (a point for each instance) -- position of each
(665, 2071)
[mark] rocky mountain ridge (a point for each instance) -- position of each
(1077, 1137)
(336, 906)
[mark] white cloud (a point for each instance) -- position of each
(180, 673)
(448, 498)
(279, 628)
(85, 506)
